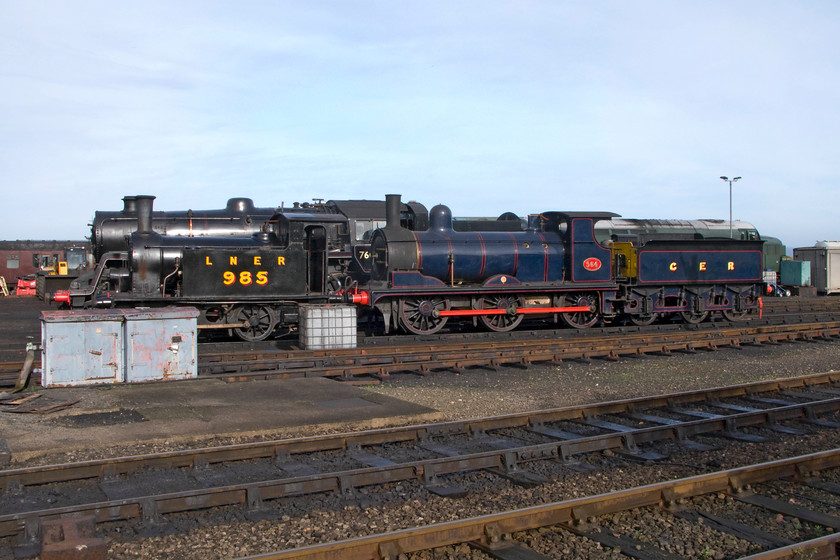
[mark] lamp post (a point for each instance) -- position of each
(730, 181)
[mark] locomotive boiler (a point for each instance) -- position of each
(111, 230)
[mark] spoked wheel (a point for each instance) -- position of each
(580, 319)
(732, 315)
(643, 320)
(417, 314)
(257, 322)
(694, 317)
(500, 323)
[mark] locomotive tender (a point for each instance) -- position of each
(650, 229)
(555, 268)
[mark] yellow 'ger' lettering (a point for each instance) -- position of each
(673, 266)
(730, 265)
(702, 266)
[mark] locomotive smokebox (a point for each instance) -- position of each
(144, 212)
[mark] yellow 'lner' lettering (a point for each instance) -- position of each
(207, 260)
(233, 261)
(257, 261)
(281, 261)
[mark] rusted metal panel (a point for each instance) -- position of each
(160, 344)
(81, 347)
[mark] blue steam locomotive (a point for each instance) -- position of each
(554, 269)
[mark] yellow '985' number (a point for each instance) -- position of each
(245, 278)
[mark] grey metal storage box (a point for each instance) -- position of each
(160, 344)
(81, 347)
(825, 265)
(327, 327)
(796, 273)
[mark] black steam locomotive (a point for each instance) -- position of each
(248, 284)
(554, 269)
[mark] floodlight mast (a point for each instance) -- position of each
(730, 181)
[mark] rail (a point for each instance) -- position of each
(487, 531)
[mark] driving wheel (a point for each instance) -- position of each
(257, 322)
(580, 319)
(500, 323)
(417, 314)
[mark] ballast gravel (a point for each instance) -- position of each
(481, 392)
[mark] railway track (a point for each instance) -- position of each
(382, 361)
(504, 535)
(419, 356)
(777, 311)
(145, 489)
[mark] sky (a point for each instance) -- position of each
(486, 106)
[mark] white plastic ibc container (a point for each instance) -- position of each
(327, 327)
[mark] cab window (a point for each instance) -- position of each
(282, 231)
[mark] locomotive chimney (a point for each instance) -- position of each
(144, 212)
(130, 205)
(392, 211)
